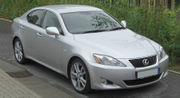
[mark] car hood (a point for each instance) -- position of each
(119, 44)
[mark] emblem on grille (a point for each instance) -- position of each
(145, 62)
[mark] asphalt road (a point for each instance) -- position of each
(166, 88)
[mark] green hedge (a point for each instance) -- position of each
(159, 24)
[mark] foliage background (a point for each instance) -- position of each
(160, 24)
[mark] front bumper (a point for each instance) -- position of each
(113, 77)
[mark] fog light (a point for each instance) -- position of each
(106, 82)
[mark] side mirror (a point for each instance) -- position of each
(123, 23)
(52, 31)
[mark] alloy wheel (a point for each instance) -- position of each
(78, 76)
(18, 52)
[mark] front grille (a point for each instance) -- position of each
(142, 81)
(139, 62)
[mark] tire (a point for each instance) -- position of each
(79, 76)
(18, 51)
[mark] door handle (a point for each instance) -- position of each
(39, 34)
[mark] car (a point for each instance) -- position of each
(88, 46)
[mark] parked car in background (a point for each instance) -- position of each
(89, 47)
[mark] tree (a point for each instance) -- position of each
(138, 2)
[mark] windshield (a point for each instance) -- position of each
(89, 22)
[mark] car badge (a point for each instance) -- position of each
(145, 62)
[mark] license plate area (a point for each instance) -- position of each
(147, 73)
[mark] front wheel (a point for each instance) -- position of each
(79, 76)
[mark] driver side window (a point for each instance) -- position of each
(50, 20)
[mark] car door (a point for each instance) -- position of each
(32, 32)
(49, 45)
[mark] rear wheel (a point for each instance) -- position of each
(79, 76)
(18, 51)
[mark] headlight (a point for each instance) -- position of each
(107, 60)
(162, 53)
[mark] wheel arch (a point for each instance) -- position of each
(16, 37)
(88, 88)
(69, 63)
(73, 58)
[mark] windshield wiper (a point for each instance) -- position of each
(118, 28)
(93, 31)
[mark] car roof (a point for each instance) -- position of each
(70, 8)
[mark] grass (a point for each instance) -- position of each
(159, 24)
(175, 68)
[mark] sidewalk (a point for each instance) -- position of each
(13, 85)
(10, 88)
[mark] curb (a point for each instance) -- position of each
(6, 20)
(174, 72)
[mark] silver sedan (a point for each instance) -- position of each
(89, 47)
